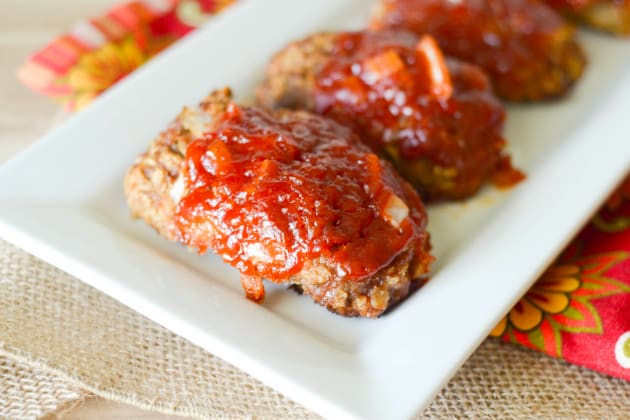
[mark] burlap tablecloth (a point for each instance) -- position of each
(59, 336)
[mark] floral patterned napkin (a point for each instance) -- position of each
(96, 53)
(579, 310)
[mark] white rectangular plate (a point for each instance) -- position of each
(62, 200)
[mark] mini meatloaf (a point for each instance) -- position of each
(527, 49)
(285, 196)
(436, 119)
(607, 15)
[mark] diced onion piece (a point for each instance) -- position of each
(395, 211)
(440, 78)
(374, 170)
(217, 159)
(196, 121)
(177, 190)
(382, 66)
(268, 167)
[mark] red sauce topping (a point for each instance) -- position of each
(269, 193)
(397, 90)
(506, 175)
(507, 38)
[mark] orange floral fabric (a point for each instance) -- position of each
(578, 310)
(96, 53)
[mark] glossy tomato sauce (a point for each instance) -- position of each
(270, 193)
(510, 39)
(400, 94)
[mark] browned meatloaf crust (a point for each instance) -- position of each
(153, 187)
(607, 15)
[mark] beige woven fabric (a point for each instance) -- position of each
(27, 393)
(61, 326)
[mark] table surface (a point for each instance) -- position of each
(94, 408)
(26, 25)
